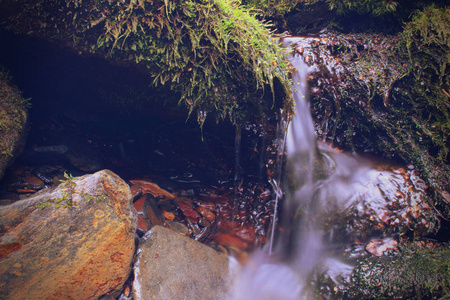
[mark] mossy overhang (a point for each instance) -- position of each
(216, 54)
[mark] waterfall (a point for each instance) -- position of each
(336, 207)
(275, 276)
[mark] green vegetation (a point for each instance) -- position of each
(215, 54)
(417, 272)
(13, 120)
(12, 104)
(376, 7)
(427, 39)
(272, 8)
(414, 271)
(67, 193)
(7, 152)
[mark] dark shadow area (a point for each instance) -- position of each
(88, 114)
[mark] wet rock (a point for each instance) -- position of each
(379, 247)
(205, 212)
(186, 206)
(364, 85)
(172, 266)
(151, 188)
(178, 227)
(148, 213)
(75, 241)
(83, 156)
(13, 120)
(57, 149)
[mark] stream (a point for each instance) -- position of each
(304, 229)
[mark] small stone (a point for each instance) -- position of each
(185, 205)
(378, 247)
(147, 216)
(168, 215)
(209, 215)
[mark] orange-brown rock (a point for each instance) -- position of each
(152, 188)
(49, 250)
(208, 214)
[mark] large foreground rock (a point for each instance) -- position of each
(172, 266)
(49, 250)
(13, 120)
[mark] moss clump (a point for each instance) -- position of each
(427, 38)
(417, 272)
(13, 119)
(273, 8)
(215, 54)
(376, 7)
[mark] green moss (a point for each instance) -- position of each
(13, 119)
(12, 104)
(273, 8)
(417, 272)
(215, 54)
(376, 7)
(67, 194)
(427, 38)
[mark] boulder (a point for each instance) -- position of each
(170, 265)
(75, 241)
(13, 120)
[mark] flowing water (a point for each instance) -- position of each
(336, 207)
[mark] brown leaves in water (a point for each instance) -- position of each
(153, 189)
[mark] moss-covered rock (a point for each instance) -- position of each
(414, 272)
(13, 121)
(368, 94)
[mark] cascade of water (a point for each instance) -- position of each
(334, 211)
(301, 148)
(305, 239)
(299, 249)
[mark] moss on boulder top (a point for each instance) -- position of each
(13, 120)
(216, 54)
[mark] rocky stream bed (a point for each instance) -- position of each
(179, 226)
(101, 199)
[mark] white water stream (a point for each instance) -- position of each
(282, 272)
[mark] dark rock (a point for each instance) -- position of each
(148, 213)
(75, 241)
(172, 266)
(83, 156)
